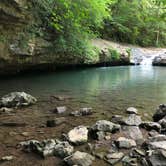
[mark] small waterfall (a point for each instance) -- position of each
(141, 57)
(136, 56)
(148, 60)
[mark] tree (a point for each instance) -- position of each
(138, 21)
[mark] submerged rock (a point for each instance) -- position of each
(48, 147)
(13, 124)
(5, 110)
(132, 110)
(55, 122)
(60, 110)
(17, 99)
(80, 159)
(78, 135)
(160, 112)
(82, 112)
(151, 126)
(7, 158)
(126, 143)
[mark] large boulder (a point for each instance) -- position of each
(48, 147)
(17, 99)
(160, 60)
(160, 112)
(78, 135)
(80, 159)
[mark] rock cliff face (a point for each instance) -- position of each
(20, 48)
(22, 44)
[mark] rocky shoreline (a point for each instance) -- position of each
(124, 140)
(160, 60)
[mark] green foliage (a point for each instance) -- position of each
(114, 54)
(138, 22)
(2, 38)
(128, 52)
(73, 23)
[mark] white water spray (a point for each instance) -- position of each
(141, 57)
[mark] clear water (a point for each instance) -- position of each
(111, 89)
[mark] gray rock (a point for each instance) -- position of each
(159, 137)
(143, 161)
(132, 132)
(100, 155)
(160, 60)
(157, 145)
(153, 133)
(63, 149)
(151, 126)
(60, 110)
(137, 153)
(162, 122)
(44, 148)
(80, 159)
(100, 135)
(156, 142)
(55, 122)
(48, 147)
(157, 158)
(128, 161)
(78, 135)
(113, 158)
(105, 126)
(132, 120)
(17, 99)
(160, 112)
(126, 143)
(132, 110)
(82, 112)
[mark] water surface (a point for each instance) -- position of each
(110, 89)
